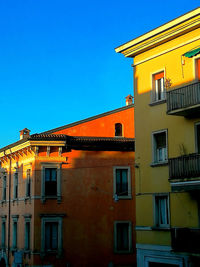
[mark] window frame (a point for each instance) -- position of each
(16, 185)
(130, 239)
(4, 187)
(28, 183)
(196, 68)
(129, 195)
(14, 231)
(154, 93)
(52, 219)
(27, 236)
(52, 165)
(3, 232)
(157, 223)
(122, 129)
(154, 148)
(197, 124)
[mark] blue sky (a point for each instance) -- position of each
(57, 59)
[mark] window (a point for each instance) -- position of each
(3, 233)
(160, 147)
(118, 129)
(52, 233)
(28, 183)
(4, 188)
(161, 210)
(197, 137)
(51, 181)
(158, 92)
(122, 182)
(123, 237)
(198, 69)
(15, 186)
(14, 232)
(27, 235)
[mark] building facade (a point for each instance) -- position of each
(167, 156)
(67, 195)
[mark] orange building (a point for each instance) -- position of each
(67, 195)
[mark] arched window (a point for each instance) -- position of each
(118, 129)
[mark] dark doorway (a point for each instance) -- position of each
(2, 263)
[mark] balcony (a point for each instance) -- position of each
(185, 240)
(184, 172)
(184, 101)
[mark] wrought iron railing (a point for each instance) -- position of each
(187, 166)
(183, 97)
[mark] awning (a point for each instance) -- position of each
(192, 53)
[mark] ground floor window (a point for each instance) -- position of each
(123, 237)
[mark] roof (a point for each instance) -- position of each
(82, 142)
(159, 34)
(88, 119)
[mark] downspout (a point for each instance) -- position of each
(9, 211)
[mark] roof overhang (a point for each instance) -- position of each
(162, 34)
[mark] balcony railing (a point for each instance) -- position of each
(187, 166)
(184, 101)
(185, 240)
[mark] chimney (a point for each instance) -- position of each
(24, 133)
(129, 100)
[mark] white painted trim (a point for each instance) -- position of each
(185, 183)
(129, 196)
(155, 210)
(147, 253)
(153, 146)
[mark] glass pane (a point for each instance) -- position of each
(53, 174)
(124, 183)
(54, 235)
(47, 235)
(122, 236)
(118, 181)
(47, 174)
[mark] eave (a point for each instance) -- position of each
(162, 34)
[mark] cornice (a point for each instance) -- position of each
(161, 34)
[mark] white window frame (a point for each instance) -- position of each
(14, 231)
(28, 181)
(129, 196)
(27, 239)
(16, 185)
(130, 249)
(3, 232)
(58, 166)
(4, 182)
(154, 148)
(54, 219)
(157, 222)
(154, 92)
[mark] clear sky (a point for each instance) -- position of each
(57, 59)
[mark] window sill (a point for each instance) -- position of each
(157, 102)
(159, 164)
(123, 251)
(161, 228)
(123, 197)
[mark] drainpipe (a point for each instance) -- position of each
(9, 211)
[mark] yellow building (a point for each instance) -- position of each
(167, 124)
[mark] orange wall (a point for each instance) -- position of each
(104, 126)
(87, 201)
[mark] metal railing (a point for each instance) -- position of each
(187, 166)
(183, 97)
